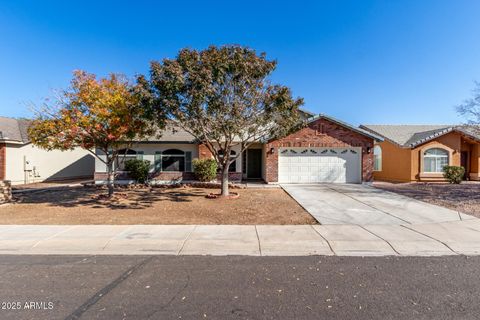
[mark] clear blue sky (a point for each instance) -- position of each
(361, 61)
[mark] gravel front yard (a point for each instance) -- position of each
(154, 206)
(463, 197)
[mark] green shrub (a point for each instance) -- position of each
(453, 174)
(138, 169)
(205, 169)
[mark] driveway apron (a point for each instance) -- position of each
(364, 205)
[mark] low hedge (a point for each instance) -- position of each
(138, 169)
(205, 170)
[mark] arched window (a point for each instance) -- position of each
(377, 158)
(233, 165)
(123, 156)
(173, 160)
(434, 160)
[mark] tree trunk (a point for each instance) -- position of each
(111, 178)
(225, 191)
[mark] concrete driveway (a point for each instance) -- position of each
(365, 205)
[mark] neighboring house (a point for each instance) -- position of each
(325, 150)
(22, 162)
(419, 152)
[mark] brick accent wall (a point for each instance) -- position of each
(203, 152)
(164, 176)
(3, 160)
(321, 133)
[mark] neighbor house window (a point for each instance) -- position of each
(123, 156)
(377, 158)
(233, 165)
(434, 160)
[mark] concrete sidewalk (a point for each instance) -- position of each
(449, 238)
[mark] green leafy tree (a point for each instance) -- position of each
(224, 98)
(106, 114)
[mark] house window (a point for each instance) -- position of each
(233, 165)
(377, 158)
(434, 160)
(123, 156)
(173, 160)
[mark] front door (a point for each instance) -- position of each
(254, 163)
(464, 162)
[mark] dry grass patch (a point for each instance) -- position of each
(154, 206)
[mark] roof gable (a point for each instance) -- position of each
(346, 125)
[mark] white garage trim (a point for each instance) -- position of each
(319, 165)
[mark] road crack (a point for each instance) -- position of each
(77, 313)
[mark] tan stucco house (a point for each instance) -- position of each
(419, 152)
(21, 162)
(324, 150)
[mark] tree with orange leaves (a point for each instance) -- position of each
(107, 114)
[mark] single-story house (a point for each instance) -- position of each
(22, 162)
(419, 152)
(325, 150)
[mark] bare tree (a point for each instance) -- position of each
(470, 109)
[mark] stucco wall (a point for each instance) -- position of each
(46, 165)
(475, 163)
(149, 150)
(396, 163)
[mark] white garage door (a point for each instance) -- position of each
(315, 165)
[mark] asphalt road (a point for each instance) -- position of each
(169, 287)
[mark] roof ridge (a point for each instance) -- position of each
(411, 125)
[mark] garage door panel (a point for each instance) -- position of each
(316, 165)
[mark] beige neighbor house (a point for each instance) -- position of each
(21, 162)
(325, 150)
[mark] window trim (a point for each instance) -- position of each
(436, 158)
(422, 160)
(377, 147)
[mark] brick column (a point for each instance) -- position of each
(367, 165)
(203, 152)
(271, 162)
(3, 160)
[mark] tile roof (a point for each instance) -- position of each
(14, 129)
(172, 133)
(412, 135)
